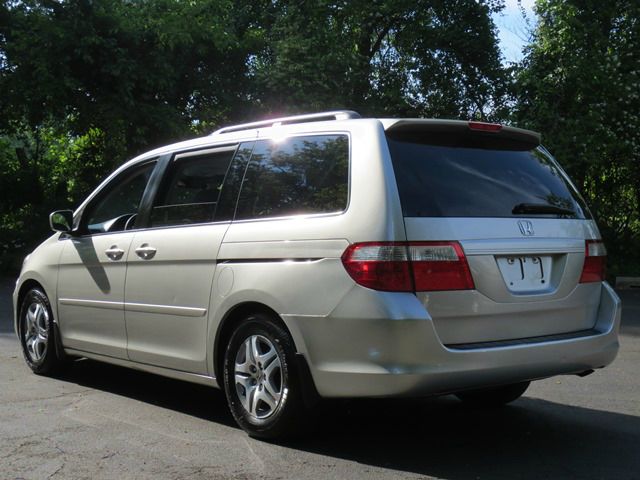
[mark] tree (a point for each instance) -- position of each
(580, 84)
(87, 84)
(424, 57)
(142, 72)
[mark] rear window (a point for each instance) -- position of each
(461, 181)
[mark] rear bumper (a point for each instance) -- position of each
(392, 349)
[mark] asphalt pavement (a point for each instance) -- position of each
(103, 422)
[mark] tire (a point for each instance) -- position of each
(261, 383)
(495, 396)
(37, 333)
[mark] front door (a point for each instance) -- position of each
(92, 267)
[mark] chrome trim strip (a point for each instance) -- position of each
(530, 245)
(136, 307)
(165, 309)
(267, 260)
(91, 303)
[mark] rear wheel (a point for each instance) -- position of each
(494, 396)
(37, 335)
(261, 384)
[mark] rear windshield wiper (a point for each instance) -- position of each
(541, 209)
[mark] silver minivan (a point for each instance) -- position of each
(328, 256)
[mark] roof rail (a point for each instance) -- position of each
(274, 122)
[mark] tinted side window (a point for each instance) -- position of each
(191, 188)
(300, 175)
(116, 209)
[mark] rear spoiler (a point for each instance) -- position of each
(445, 131)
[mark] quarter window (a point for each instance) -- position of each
(299, 175)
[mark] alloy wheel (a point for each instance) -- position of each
(258, 377)
(36, 331)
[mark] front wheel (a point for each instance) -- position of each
(261, 383)
(494, 396)
(37, 335)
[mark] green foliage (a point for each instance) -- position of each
(87, 84)
(141, 72)
(580, 84)
(40, 168)
(425, 58)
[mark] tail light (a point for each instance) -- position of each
(595, 262)
(408, 267)
(381, 266)
(439, 266)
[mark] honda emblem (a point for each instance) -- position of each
(526, 227)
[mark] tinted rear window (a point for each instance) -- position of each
(459, 181)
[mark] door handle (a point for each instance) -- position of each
(145, 252)
(114, 253)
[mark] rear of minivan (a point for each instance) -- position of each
(500, 278)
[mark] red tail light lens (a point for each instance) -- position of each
(380, 266)
(595, 262)
(439, 266)
(408, 267)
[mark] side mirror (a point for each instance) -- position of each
(61, 221)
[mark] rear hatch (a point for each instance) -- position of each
(523, 228)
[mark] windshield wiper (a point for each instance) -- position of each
(540, 209)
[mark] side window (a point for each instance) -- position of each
(116, 209)
(300, 175)
(190, 190)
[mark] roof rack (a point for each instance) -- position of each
(274, 122)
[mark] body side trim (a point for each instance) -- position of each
(165, 309)
(91, 303)
(136, 307)
(267, 260)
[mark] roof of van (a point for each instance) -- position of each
(248, 131)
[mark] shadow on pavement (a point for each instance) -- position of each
(189, 398)
(6, 304)
(530, 439)
(630, 311)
